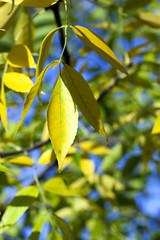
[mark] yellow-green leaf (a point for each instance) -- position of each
(83, 97)
(18, 82)
(33, 3)
(3, 107)
(99, 46)
(62, 118)
(88, 168)
(156, 128)
(57, 186)
(21, 161)
(47, 157)
(7, 17)
(18, 206)
(6, 170)
(21, 57)
(37, 228)
(150, 19)
(33, 92)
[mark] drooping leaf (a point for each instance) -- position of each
(99, 46)
(21, 57)
(3, 107)
(33, 92)
(18, 206)
(18, 82)
(24, 29)
(63, 226)
(156, 128)
(37, 228)
(21, 161)
(62, 119)
(6, 19)
(6, 170)
(83, 97)
(35, 3)
(57, 186)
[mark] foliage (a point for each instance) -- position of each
(88, 107)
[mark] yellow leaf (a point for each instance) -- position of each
(7, 17)
(88, 168)
(91, 147)
(62, 118)
(32, 93)
(3, 107)
(21, 57)
(45, 133)
(33, 3)
(156, 128)
(47, 157)
(150, 19)
(99, 46)
(21, 161)
(18, 82)
(83, 97)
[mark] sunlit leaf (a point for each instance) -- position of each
(21, 57)
(99, 46)
(92, 147)
(55, 235)
(18, 206)
(47, 157)
(37, 228)
(63, 127)
(88, 168)
(35, 3)
(57, 186)
(6, 170)
(18, 82)
(83, 97)
(21, 161)
(3, 107)
(156, 128)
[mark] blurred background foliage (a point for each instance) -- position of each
(104, 192)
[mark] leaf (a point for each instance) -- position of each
(63, 226)
(57, 186)
(43, 53)
(47, 157)
(33, 92)
(3, 107)
(37, 228)
(92, 147)
(88, 168)
(156, 128)
(83, 97)
(35, 3)
(55, 235)
(18, 206)
(24, 29)
(150, 19)
(99, 46)
(21, 57)
(6, 170)
(21, 161)
(18, 82)
(62, 119)
(6, 19)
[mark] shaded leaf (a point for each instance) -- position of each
(62, 119)
(18, 82)
(150, 19)
(6, 170)
(35, 3)
(99, 46)
(37, 228)
(83, 97)
(21, 57)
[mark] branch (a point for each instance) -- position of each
(24, 150)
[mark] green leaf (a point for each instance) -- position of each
(35, 3)
(99, 46)
(62, 119)
(63, 226)
(37, 228)
(18, 206)
(55, 235)
(21, 57)
(18, 82)
(57, 186)
(33, 92)
(83, 97)
(6, 170)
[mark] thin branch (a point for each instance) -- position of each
(24, 150)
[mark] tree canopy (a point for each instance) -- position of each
(80, 123)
